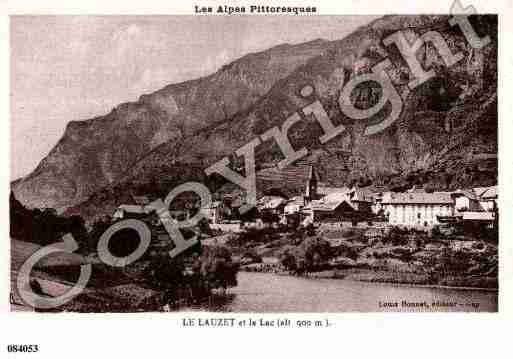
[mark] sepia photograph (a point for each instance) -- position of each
(254, 164)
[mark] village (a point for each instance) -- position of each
(416, 237)
(420, 237)
(340, 207)
(322, 173)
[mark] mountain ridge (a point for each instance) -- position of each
(408, 148)
(165, 117)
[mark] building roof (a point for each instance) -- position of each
(296, 201)
(270, 202)
(418, 198)
(478, 216)
(467, 193)
(361, 195)
(324, 190)
(133, 208)
(334, 199)
(213, 204)
(331, 201)
(335, 196)
(325, 206)
(486, 192)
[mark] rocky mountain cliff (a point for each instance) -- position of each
(95, 153)
(445, 137)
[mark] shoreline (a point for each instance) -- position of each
(374, 278)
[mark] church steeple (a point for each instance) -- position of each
(311, 185)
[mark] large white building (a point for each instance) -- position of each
(417, 209)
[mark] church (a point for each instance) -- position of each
(321, 204)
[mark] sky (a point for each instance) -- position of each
(68, 68)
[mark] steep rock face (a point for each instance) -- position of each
(445, 136)
(94, 153)
(464, 93)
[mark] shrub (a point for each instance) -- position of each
(435, 232)
(255, 235)
(396, 236)
(312, 254)
(346, 251)
(288, 260)
(201, 272)
(217, 268)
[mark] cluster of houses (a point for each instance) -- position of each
(342, 206)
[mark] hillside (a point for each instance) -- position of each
(94, 153)
(170, 136)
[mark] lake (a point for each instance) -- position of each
(266, 292)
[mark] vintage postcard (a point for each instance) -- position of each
(256, 179)
(290, 162)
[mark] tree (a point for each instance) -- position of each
(288, 260)
(435, 232)
(312, 254)
(44, 226)
(217, 268)
(204, 227)
(317, 251)
(166, 272)
(193, 275)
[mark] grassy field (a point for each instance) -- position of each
(21, 251)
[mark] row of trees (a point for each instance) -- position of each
(192, 276)
(44, 226)
(197, 271)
